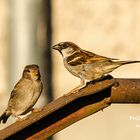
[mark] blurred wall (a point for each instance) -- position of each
(24, 48)
(109, 28)
(4, 37)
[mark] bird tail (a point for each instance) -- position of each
(127, 62)
(5, 116)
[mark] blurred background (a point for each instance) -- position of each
(111, 28)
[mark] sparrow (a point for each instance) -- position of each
(25, 93)
(87, 66)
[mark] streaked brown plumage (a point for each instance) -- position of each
(86, 65)
(25, 93)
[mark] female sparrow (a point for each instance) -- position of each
(86, 65)
(25, 93)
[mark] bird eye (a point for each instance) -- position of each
(28, 70)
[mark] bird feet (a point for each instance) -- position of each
(18, 119)
(72, 92)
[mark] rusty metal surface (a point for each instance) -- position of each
(68, 109)
(54, 110)
(126, 91)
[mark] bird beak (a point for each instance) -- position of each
(35, 73)
(56, 47)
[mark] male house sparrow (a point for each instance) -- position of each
(25, 93)
(86, 65)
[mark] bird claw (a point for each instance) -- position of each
(21, 119)
(72, 92)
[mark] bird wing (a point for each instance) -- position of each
(85, 57)
(22, 91)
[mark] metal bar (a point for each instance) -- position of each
(126, 91)
(72, 107)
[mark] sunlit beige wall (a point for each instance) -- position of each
(106, 27)
(4, 36)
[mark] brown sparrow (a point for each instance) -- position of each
(25, 93)
(86, 65)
